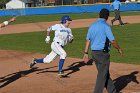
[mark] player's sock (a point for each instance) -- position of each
(61, 62)
(39, 60)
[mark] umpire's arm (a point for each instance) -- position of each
(115, 45)
(111, 38)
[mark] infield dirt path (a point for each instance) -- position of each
(31, 27)
(16, 77)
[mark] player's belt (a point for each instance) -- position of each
(59, 44)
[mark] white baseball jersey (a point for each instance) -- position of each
(61, 33)
(60, 39)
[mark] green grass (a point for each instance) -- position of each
(127, 36)
(57, 17)
(34, 42)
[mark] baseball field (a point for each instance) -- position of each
(24, 39)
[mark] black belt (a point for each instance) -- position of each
(105, 51)
(59, 44)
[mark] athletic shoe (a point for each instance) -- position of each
(33, 63)
(61, 73)
(121, 24)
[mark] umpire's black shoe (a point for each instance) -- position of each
(33, 63)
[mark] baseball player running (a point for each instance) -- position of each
(5, 23)
(63, 35)
(116, 5)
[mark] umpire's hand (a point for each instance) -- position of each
(85, 58)
(121, 52)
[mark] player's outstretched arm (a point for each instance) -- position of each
(5, 23)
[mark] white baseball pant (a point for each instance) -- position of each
(56, 50)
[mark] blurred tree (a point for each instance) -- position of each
(3, 3)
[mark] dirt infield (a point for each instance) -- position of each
(75, 24)
(16, 77)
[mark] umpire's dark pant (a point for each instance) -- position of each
(102, 61)
(117, 16)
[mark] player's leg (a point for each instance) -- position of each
(120, 21)
(48, 59)
(61, 52)
(116, 17)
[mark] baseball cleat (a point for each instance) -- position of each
(33, 63)
(121, 24)
(61, 73)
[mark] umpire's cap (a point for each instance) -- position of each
(65, 18)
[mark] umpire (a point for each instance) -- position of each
(116, 5)
(99, 37)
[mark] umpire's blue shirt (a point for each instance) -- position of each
(97, 34)
(116, 4)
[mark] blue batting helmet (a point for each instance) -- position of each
(65, 18)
